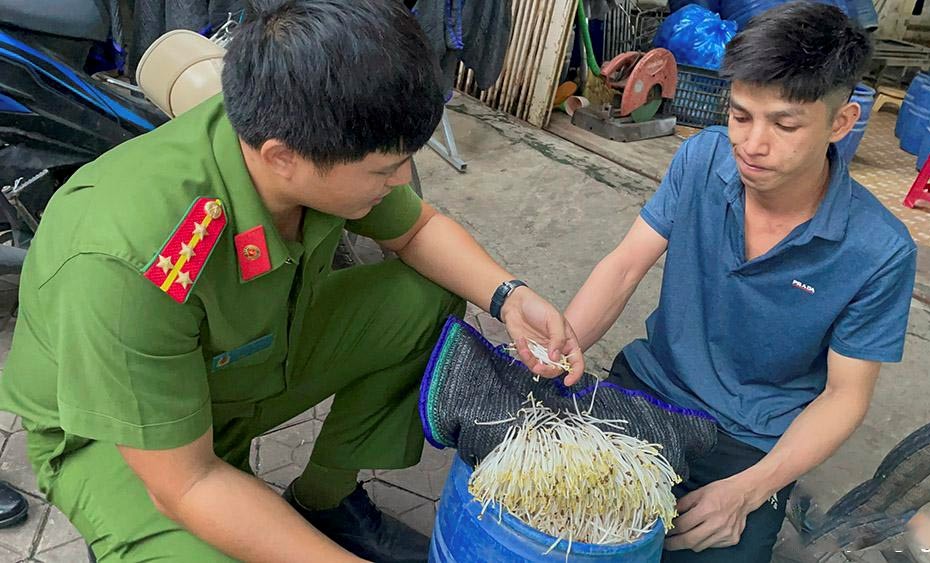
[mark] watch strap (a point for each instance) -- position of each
(500, 295)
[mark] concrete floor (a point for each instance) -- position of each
(548, 210)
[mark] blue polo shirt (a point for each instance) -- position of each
(747, 340)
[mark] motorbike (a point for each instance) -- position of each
(54, 116)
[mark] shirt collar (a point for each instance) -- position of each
(245, 207)
(727, 171)
(832, 216)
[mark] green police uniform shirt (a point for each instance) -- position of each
(121, 340)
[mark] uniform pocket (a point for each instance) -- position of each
(249, 354)
(247, 373)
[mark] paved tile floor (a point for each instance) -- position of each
(888, 172)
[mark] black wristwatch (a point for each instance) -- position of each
(503, 292)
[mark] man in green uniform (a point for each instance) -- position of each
(178, 301)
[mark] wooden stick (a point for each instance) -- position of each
(512, 50)
(564, 49)
(459, 79)
(537, 59)
(470, 81)
(530, 66)
(519, 61)
(494, 92)
(535, 40)
(542, 95)
(516, 33)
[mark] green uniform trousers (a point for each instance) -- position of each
(369, 336)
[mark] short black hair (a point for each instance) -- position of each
(334, 80)
(808, 49)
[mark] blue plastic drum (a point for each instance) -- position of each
(914, 114)
(742, 11)
(459, 536)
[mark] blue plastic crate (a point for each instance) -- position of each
(702, 98)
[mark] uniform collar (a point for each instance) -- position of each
(832, 216)
(245, 208)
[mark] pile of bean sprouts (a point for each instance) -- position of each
(561, 474)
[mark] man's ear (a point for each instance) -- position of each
(278, 158)
(844, 120)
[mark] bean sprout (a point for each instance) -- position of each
(542, 354)
(559, 473)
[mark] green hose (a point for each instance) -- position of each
(586, 37)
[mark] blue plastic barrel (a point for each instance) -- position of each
(865, 97)
(743, 10)
(863, 12)
(924, 150)
(914, 114)
(459, 536)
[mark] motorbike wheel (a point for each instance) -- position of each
(354, 249)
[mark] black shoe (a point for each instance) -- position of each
(358, 526)
(13, 506)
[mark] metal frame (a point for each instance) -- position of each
(449, 152)
(629, 27)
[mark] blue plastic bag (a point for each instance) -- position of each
(712, 5)
(696, 36)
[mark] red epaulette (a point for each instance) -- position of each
(176, 268)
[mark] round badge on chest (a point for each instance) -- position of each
(251, 252)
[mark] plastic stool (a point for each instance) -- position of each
(919, 189)
(888, 95)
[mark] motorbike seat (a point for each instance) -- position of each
(78, 19)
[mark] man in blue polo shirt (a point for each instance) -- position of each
(786, 284)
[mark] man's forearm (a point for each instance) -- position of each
(600, 301)
(603, 296)
(814, 436)
(441, 250)
(468, 271)
(242, 517)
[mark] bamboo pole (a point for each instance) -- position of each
(541, 48)
(541, 98)
(527, 11)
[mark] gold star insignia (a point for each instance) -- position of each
(200, 230)
(164, 262)
(186, 251)
(184, 278)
